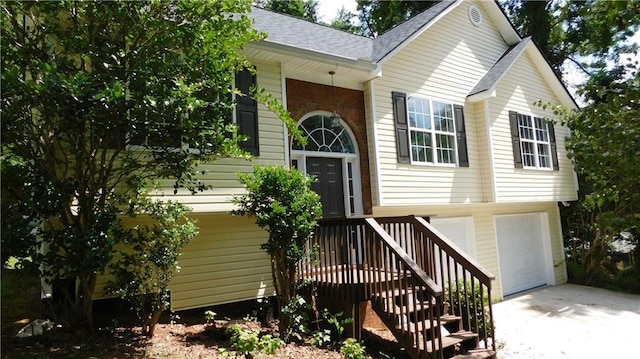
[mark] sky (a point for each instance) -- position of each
(327, 9)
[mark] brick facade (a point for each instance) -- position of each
(304, 97)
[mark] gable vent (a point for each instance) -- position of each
(475, 16)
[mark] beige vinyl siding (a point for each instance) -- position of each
(485, 232)
(372, 143)
(442, 64)
(223, 264)
(222, 174)
(518, 91)
(483, 151)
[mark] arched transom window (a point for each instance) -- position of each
(325, 134)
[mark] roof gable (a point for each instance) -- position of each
(486, 87)
(392, 40)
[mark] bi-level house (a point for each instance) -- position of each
(435, 118)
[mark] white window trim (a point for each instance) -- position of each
(535, 143)
(434, 132)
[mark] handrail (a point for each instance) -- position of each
(406, 259)
(399, 296)
(403, 265)
(453, 250)
(467, 284)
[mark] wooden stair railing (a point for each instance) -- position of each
(392, 262)
(466, 284)
(399, 288)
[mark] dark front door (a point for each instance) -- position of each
(328, 184)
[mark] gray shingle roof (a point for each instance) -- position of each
(290, 31)
(390, 40)
(495, 73)
(302, 34)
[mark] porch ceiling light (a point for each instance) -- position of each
(334, 119)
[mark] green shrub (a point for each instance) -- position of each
(143, 270)
(331, 336)
(282, 202)
(465, 304)
(249, 343)
(352, 349)
(210, 316)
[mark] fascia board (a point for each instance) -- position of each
(356, 64)
(551, 78)
(501, 20)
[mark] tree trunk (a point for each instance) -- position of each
(85, 299)
(149, 326)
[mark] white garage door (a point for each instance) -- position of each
(459, 230)
(521, 251)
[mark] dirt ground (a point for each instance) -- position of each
(179, 335)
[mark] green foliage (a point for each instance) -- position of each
(210, 316)
(332, 336)
(302, 9)
(83, 85)
(321, 338)
(249, 343)
(471, 303)
(296, 312)
(143, 269)
(352, 349)
(603, 147)
(378, 16)
(585, 32)
(282, 202)
(343, 22)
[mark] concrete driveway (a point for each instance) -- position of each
(568, 321)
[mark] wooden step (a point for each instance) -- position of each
(447, 342)
(479, 353)
(465, 338)
(469, 339)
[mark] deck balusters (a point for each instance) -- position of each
(360, 259)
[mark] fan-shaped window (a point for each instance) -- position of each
(325, 134)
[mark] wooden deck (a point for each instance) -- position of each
(348, 282)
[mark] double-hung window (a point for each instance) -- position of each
(534, 143)
(429, 132)
(432, 131)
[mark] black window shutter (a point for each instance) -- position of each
(515, 139)
(402, 127)
(247, 113)
(554, 146)
(461, 136)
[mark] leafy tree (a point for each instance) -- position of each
(283, 203)
(342, 21)
(149, 259)
(100, 99)
(604, 143)
(584, 32)
(378, 16)
(302, 9)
